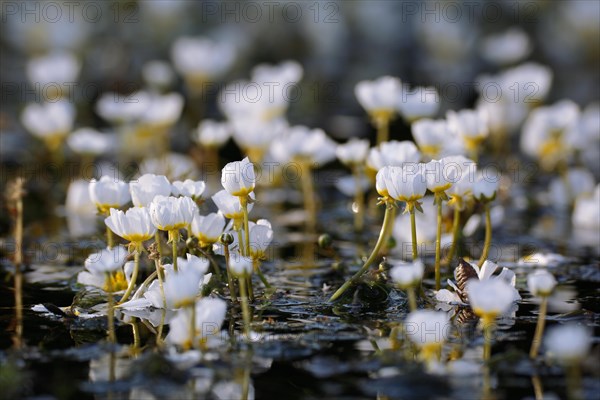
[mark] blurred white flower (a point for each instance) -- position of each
(90, 141)
(182, 287)
(134, 225)
(80, 209)
(189, 188)
(470, 125)
(208, 228)
(392, 153)
(286, 72)
(541, 283)
(546, 132)
(579, 182)
(175, 166)
(353, 152)
(261, 236)
(406, 274)
(172, 213)
(238, 177)
(108, 193)
(200, 60)
(490, 298)
(435, 139)
(50, 122)
(568, 343)
(427, 328)
(106, 260)
(586, 213)
(149, 111)
(506, 47)
(485, 188)
(56, 70)
(158, 74)
(210, 314)
(213, 134)
(255, 136)
(305, 145)
(380, 96)
(146, 187)
(419, 102)
(462, 188)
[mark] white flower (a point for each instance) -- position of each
(172, 213)
(238, 177)
(406, 183)
(181, 288)
(208, 228)
(470, 125)
(434, 138)
(107, 260)
(541, 283)
(506, 47)
(49, 121)
(210, 314)
(568, 343)
(200, 59)
(304, 144)
(240, 265)
(285, 73)
(54, 69)
(134, 225)
(109, 193)
(261, 236)
(466, 175)
(586, 213)
(379, 96)
(229, 205)
(490, 297)
(580, 183)
(174, 166)
(485, 188)
(545, 136)
(427, 327)
(121, 109)
(146, 187)
(160, 110)
(149, 110)
(393, 153)
(407, 274)
(80, 210)
(90, 141)
(213, 134)
(353, 152)
(255, 135)
(158, 73)
(189, 188)
(439, 177)
(114, 280)
(420, 102)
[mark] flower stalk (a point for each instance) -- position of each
(488, 234)
(386, 228)
(455, 233)
(539, 328)
(308, 192)
(136, 267)
(438, 242)
(245, 306)
(244, 205)
(111, 308)
(413, 230)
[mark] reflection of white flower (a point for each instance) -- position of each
(210, 314)
(427, 327)
(80, 209)
(490, 297)
(541, 283)
(407, 274)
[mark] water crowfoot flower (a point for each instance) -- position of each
(540, 283)
(379, 98)
(386, 230)
(135, 226)
(489, 298)
(238, 179)
(242, 268)
(408, 276)
(439, 179)
(108, 193)
(193, 328)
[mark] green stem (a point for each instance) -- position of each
(256, 267)
(308, 193)
(109, 238)
(383, 130)
(412, 299)
(359, 200)
(240, 242)
(136, 334)
(160, 282)
(244, 204)
(232, 293)
(159, 243)
(136, 267)
(250, 287)
(573, 381)
(438, 244)
(455, 231)
(413, 231)
(174, 242)
(488, 234)
(161, 327)
(488, 327)
(245, 307)
(388, 223)
(111, 309)
(539, 329)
